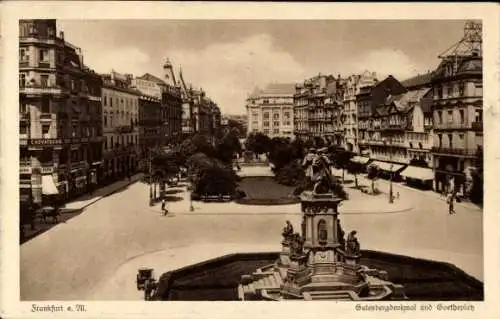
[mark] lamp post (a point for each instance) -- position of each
(150, 181)
(191, 208)
(391, 198)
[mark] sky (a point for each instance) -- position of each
(229, 58)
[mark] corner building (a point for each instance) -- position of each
(270, 110)
(59, 117)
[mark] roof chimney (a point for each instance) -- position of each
(61, 35)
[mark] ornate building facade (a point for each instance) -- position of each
(60, 116)
(120, 126)
(350, 112)
(458, 116)
(368, 99)
(149, 113)
(271, 111)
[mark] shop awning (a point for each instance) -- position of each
(360, 159)
(48, 185)
(388, 166)
(420, 173)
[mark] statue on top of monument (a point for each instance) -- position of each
(287, 231)
(321, 175)
(352, 244)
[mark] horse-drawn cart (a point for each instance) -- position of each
(145, 281)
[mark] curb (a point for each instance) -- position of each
(106, 195)
(436, 196)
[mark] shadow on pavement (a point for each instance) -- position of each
(40, 228)
(173, 198)
(173, 191)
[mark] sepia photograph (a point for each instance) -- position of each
(135, 156)
(247, 160)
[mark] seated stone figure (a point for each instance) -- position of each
(352, 244)
(287, 231)
(297, 245)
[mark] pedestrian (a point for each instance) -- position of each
(449, 200)
(164, 207)
(397, 195)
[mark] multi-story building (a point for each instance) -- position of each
(200, 115)
(120, 125)
(399, 130)
(149, 113)
(270, 110)
(350, 113)
(368, 99)
(60, 116)
(457, 109)
(319, 102)
(172, 105)
(150, 124)
(419, 134)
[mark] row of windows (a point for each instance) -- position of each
(275, 123)
(43, 55)
(127, 102)
(62, 130)
(461, 137)
(478, 116)
(110, 142)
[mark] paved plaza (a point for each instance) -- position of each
(95, 255)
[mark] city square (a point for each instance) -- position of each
(87, 263)
(125, 172)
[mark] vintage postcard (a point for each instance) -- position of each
(243, 159)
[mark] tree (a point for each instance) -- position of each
(228, 146)
(257, 143)
(373, 171)
(298, 148)
(355, 168)
(210, 175)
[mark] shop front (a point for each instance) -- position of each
(50, 192)
(389, 170)
(418, 177)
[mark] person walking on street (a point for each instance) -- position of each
(164, 207)
(450, 202)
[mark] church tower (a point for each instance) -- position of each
(168, 73)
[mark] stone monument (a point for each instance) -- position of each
(319, 263)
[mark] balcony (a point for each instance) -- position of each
(454, 151)
(125, 129)
(394, 126)
(477, 126)
(44, 65)
(451, 126)
(46, 117)
(33, 88)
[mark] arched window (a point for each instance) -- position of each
(322, 231)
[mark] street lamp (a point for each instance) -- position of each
(191, 178)
(150, 182)
(391, 199)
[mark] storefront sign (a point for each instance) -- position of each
(45, 141)
(54, 141)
